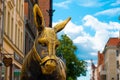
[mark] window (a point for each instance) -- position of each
(112, 79)
(29, 12)
(21, 41)
(16, 34)
(18, 38)
(117, 64)
(25, 43)
(117, 53)
(117, 76)
(0, 30)
(5, 29)
(20, 7)
(8, 26)
(16, 4)
(29, 43)
(22, 12)
(12, 22)
(0, 24)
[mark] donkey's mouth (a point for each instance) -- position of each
(49, 67)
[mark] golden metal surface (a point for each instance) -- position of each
(46, 55)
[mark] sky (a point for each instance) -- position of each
(93, 23)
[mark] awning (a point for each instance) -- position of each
(17, 72)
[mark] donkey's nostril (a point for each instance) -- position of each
(51, 63)
(50, 66)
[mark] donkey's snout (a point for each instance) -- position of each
(50, 64)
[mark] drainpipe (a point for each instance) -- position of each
(50, 12)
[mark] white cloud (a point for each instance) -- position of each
(94, 53)
(116, 3)
(99, 40)
(88, 61)
(97, 25)
(103, 31)
(81, 39)
(84, 40)
(63, 4)
(109, 12)
(90, 3)
(96, 42)
(72, 28)
(88, 73)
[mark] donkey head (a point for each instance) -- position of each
(46, 42)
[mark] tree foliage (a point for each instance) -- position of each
(75, 67)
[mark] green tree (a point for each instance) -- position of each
(75, 67)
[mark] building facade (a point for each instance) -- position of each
(100, 67)
(47, 10)
(17, 40)
(93, 71)
(111, 59)
(108, 67)
(30, 29)
(1, 16)
(12, 52)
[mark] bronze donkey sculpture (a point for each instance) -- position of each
(41, 63)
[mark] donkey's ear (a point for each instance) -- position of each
(38, 18)
(61, 25)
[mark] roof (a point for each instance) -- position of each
(113, 42)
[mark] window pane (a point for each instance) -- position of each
(8, 26)
(12, 27)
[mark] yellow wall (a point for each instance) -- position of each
(13, 31)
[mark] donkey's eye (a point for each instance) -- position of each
(43, 44)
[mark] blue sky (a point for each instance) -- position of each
(93, 23)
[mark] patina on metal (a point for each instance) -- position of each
(41, 63)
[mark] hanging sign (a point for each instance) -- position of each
(7, 61)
